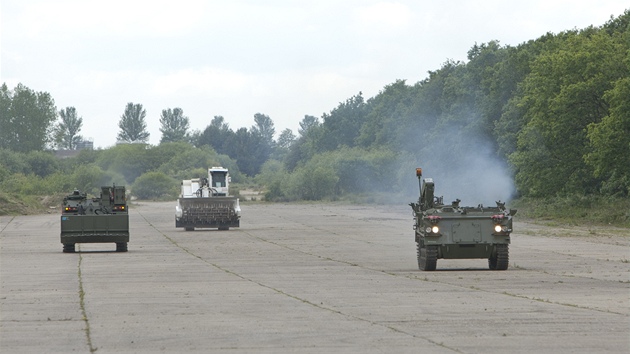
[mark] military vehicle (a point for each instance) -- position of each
(95, 220)
(456, 232)
(206, 202)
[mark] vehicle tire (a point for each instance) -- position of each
(121, 246)
(222, 228)
(501, 259)
(189, 228)
(68, 248)
(427, 257)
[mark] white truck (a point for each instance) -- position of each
(206, 202)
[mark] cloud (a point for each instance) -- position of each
(215, 82)
(383, 18)
(157, 18)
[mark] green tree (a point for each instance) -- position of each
(564, 94)
(174, 125)
(306, 123)
(26, 118)
(610, 142)
(304, 147)
(245, 149)
(386, 111)
(282, 146)
(343, 124)
(216, 135)
(262, 134)
(66, 131)
(264, 127)
(285, 139)
(133, 128)
(509, 80)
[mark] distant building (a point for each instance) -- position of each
(135, 142)
(87, 144)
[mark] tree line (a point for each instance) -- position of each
(29, 121)
(552, 114)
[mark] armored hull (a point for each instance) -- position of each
(95, 220)
(455, 232)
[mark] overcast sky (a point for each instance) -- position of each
(285, 59)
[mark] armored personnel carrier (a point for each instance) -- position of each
(95, 220)
(456, 232)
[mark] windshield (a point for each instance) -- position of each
(218, 179)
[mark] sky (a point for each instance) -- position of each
(282, 58)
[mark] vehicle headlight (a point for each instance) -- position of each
(498, 228)
(435, 229)
(428, 230)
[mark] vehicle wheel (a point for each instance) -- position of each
(501, 259)
(189, 228)
(121, 246)
(427, 257)
(224, 228)
(68, 248)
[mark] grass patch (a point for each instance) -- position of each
(11, 204)
(576, 210)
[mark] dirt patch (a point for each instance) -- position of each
(605, 234)
(250, 195)
(29, 205)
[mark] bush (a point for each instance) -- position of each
(41, 163)
(273, 176)
(313, 183)
(21, 184)
(155, 185)
(13, 162)
(88, 179)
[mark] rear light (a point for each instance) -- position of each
(119, 208)
(70, 209)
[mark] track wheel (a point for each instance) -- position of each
(68, 248)
(121, 246)
(501, 259)
(427, 257)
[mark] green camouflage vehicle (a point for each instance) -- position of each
(456, 232)
(95, 220)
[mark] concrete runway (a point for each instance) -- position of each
(308, 278)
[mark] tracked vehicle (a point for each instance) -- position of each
(206, 202)
(455, 232)
(95, 220)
